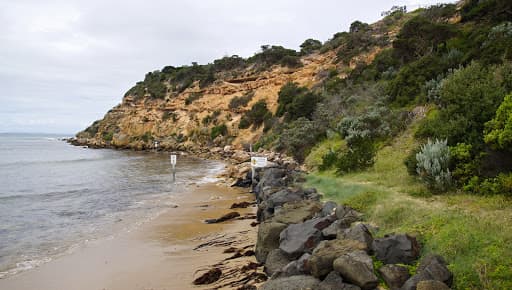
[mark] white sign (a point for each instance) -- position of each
(258, 161)
(173, 159)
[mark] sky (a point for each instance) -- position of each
(65, 63)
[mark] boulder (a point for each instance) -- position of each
(358, 232)
(331, 232)
(301, 238)
(432, 285)
(394, 275)
(297, 212)
(327, 251)
(396, 249)
(357, 268)
(329, 208)
(268, 239)
(432, 267)
(284, 196)
(347, 215)
(333, 281)
(275, 261)
(292, 282)
(270, 177)
(241, 156)
(297, 267)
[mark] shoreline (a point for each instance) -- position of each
(161, 254)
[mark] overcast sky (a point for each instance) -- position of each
(64, 64)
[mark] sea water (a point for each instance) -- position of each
(55, 197)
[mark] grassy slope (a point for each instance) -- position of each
(474, 233)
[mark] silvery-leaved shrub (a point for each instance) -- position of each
(432, 165)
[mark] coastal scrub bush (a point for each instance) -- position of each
(498, 131)
(299, 136)
(107, 136)
(147, 137)
(216, 131)
(295, 102)
(359, 155)
(272, 55)
(433, 165)
(242, 101)
(192, 97)
(309, 46)
(255, 117)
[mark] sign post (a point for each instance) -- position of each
(255, 163)
(173, 163)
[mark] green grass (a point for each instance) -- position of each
(473, 233)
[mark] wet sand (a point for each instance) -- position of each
(168, 252)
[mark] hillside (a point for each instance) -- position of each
(408, 120)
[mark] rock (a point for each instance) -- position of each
(268, 239)
(223, 218)
(396, 249)
(347, 215)
(358, 232)
(208, 277)
(284, 196)
(301, 238)
(241, 156)
(297, 212)
(327, 251)
(357, 268)
(272, 178)
(331, 232)
(243, 204)
(432, 267)
(297, 267)
(242, 182)
(227, 149)
(394, 275)
(432, 285)
(292, 282)
(333, 281)
(329, 208)
(276, 260)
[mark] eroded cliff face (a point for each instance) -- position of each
(181, 122)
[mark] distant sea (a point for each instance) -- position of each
(55, 197)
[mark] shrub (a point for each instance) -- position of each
(255, 116)
(242, 101)
(464, 164)
(498, 131)
(359, 155)
(272, 55)
(219, 130)
(147, 137)
(433, 165)
(299, 136)
(410, 162)
(108, 136)
(192, 97)
(502, 184)
(309, 46)
(296, 102)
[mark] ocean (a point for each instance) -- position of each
(55, 197)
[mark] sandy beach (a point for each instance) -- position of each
(168, 252)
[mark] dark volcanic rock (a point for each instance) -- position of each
(208, 277)
(297, 267)
(396, 249)
(223, 218)
(276, 260)
(297, 212)
(329, 208)
(357, 268)
(432, 267)
(268, 239)
(333, 281)
(301, 238)
(347, 215)
(270, 177)
(292, 282)
(327, 251)
(331, 232)
(394, 275)
(358, 232)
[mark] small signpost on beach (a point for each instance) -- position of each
(255, 163)
(173, 163)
